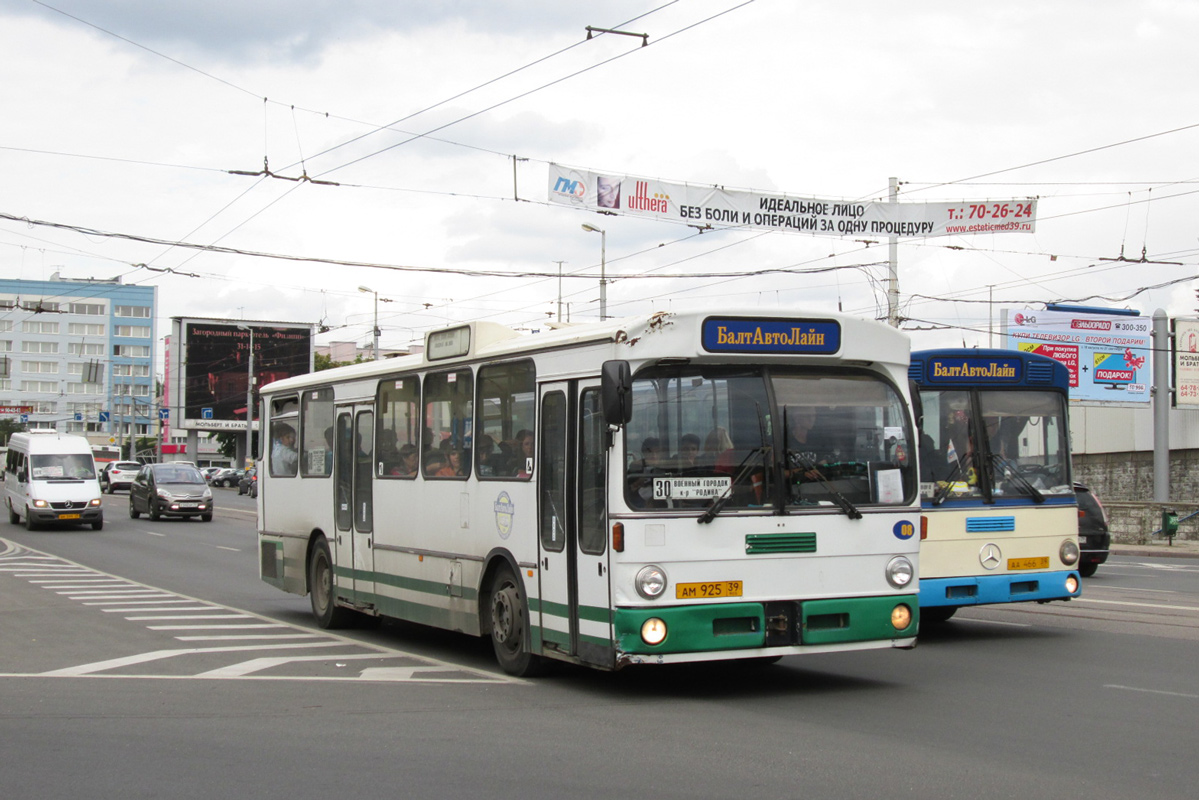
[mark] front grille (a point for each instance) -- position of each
(68, 505)
(768, 543)
(990, 524)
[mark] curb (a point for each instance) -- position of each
(1163, 551)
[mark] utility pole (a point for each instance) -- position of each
(249, 396)
(893, 259)
(559, 263)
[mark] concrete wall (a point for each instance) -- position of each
(1123, 482)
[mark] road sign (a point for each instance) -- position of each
(164, 413)
(205, 413)
(105, 416)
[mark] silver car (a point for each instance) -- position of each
(176, 490)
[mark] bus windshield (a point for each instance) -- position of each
(1008, 444)
(780, 440)
(62, 467)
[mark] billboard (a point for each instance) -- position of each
(1186, 363)
(716, 206)
(211, 360)
(1109, 356)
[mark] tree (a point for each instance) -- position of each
(8, 427)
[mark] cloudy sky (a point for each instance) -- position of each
(427, 129)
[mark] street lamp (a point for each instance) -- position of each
(249, 395)
(603, 264)
(369, 290)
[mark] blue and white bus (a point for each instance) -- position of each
(1000, 521)
(638, 491)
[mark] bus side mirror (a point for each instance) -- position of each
(616, 392)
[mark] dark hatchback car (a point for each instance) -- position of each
(249, 482)
(1094, 539)
(176, 490)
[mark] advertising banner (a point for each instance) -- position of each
(753, 210)
(211, 361)
(1109, 356)
(1186, 363)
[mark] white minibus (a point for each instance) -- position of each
(50, 477)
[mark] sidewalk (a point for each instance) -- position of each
(1158, 546)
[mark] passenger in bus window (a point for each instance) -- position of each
(484, 446)
(434, 463)
(283, 452)
(642, 472)
(453, 467)
(688, 456)
(389, 452)
(718, 450)
(524, 453)
(409, 459)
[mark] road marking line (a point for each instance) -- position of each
(265, 637)
(1139, 605)
(136, 603)
(120, 610)
(998, 622)
(1151, 691)
(158, 655)
(234, 549)
(190, 616)
(215, 627)
(259, 664)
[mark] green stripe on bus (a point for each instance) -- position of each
(401, 582)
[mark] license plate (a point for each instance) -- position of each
(1028, 563)
(698, 591)
(69, 516)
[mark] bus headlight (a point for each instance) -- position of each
(653, 631)
(901, 616)
(1068, 552)
(94, 502)
(1071, 584)
(900, 572)
(651, 582)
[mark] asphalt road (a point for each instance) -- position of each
(148, 660)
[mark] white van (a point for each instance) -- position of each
(51, 477)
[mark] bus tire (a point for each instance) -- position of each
(510, 626)
(320, 588)
(935, 615)
(98, 525)
(30, 525)
(13, 517)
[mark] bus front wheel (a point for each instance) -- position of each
(935, 615)
(510, 626)
(320, 587)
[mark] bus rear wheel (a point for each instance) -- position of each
(510, 627)
(320, 587)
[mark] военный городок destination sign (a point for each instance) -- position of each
(708, 205)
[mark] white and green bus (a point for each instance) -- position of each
(672, 488)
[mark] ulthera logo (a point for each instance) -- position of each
(566, 186)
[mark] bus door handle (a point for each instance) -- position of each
(545, 563)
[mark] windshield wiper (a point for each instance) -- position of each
(809, 466)
(1010, 470)
(943, 491)
(739, 474)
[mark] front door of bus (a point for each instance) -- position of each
(354, 474)
(572, 523)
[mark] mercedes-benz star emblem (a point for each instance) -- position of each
(990, 556)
